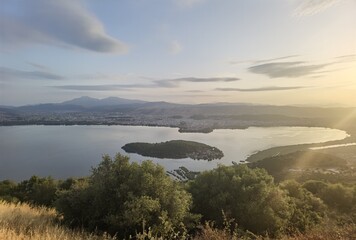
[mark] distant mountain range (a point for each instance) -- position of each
(187, 117)
(94, 102)
(198, 111)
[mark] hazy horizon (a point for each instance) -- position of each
(189, 103)
(276, 52)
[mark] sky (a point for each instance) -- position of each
(279, 52)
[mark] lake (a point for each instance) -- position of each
(65, 151)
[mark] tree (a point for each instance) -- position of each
(36, 190)
(122, 197)
(247, 195)
(315, 186)
(7, 189)
(338, 196)
(307, 210)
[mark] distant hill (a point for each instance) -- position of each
(207, 110)
(94, 102)
(191, 116)
(299, 163)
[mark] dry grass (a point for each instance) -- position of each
(328, 232)
(323, 232)
(208, 232)
(23, 222)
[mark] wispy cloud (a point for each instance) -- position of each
(7, 74)
(346, 58)
(275, 59)
(263, 60)
(311, 7)
(176, 81)
(167, 83)
(200, 80)
(103, 87)
(60, 23)
(195, 91)
(188, 3)
(175, 47)
(38, 66)
(287, 69)
(261, 89)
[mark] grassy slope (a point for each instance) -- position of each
(328, 232)
(21, 221)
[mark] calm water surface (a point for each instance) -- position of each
(64, 151)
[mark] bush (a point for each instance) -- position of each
(122, 197)
(315, 186)
(338, 196)
(249, 196)
(37, 191)
(308, 210)
(7, 189)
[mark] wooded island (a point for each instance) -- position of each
(176, 149)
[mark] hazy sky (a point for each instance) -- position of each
(188, 51)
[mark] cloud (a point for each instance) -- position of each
(311, 7)
(262, 89)
(14, 74)
(200, 80)
(286, 69)
(175, 47)
(175, 82)
(60, 23)
(38, 66)
(188, 3)
(195, 91)
(264, 60)
(275, 59)
(346, 58)
(104, 87)
(169, 83)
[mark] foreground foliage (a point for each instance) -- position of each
(139, 200)
(252, 199)
(122, 197)
(21, 221)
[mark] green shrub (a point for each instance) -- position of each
(249, 196)
(124, 198)
(37, 191)
(308, 210)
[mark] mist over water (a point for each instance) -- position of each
(67, 151)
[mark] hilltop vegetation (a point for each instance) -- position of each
(236, 202)
(22, 221)
(175, 149)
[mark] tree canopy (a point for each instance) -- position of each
(122, 197)
(249, 196)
